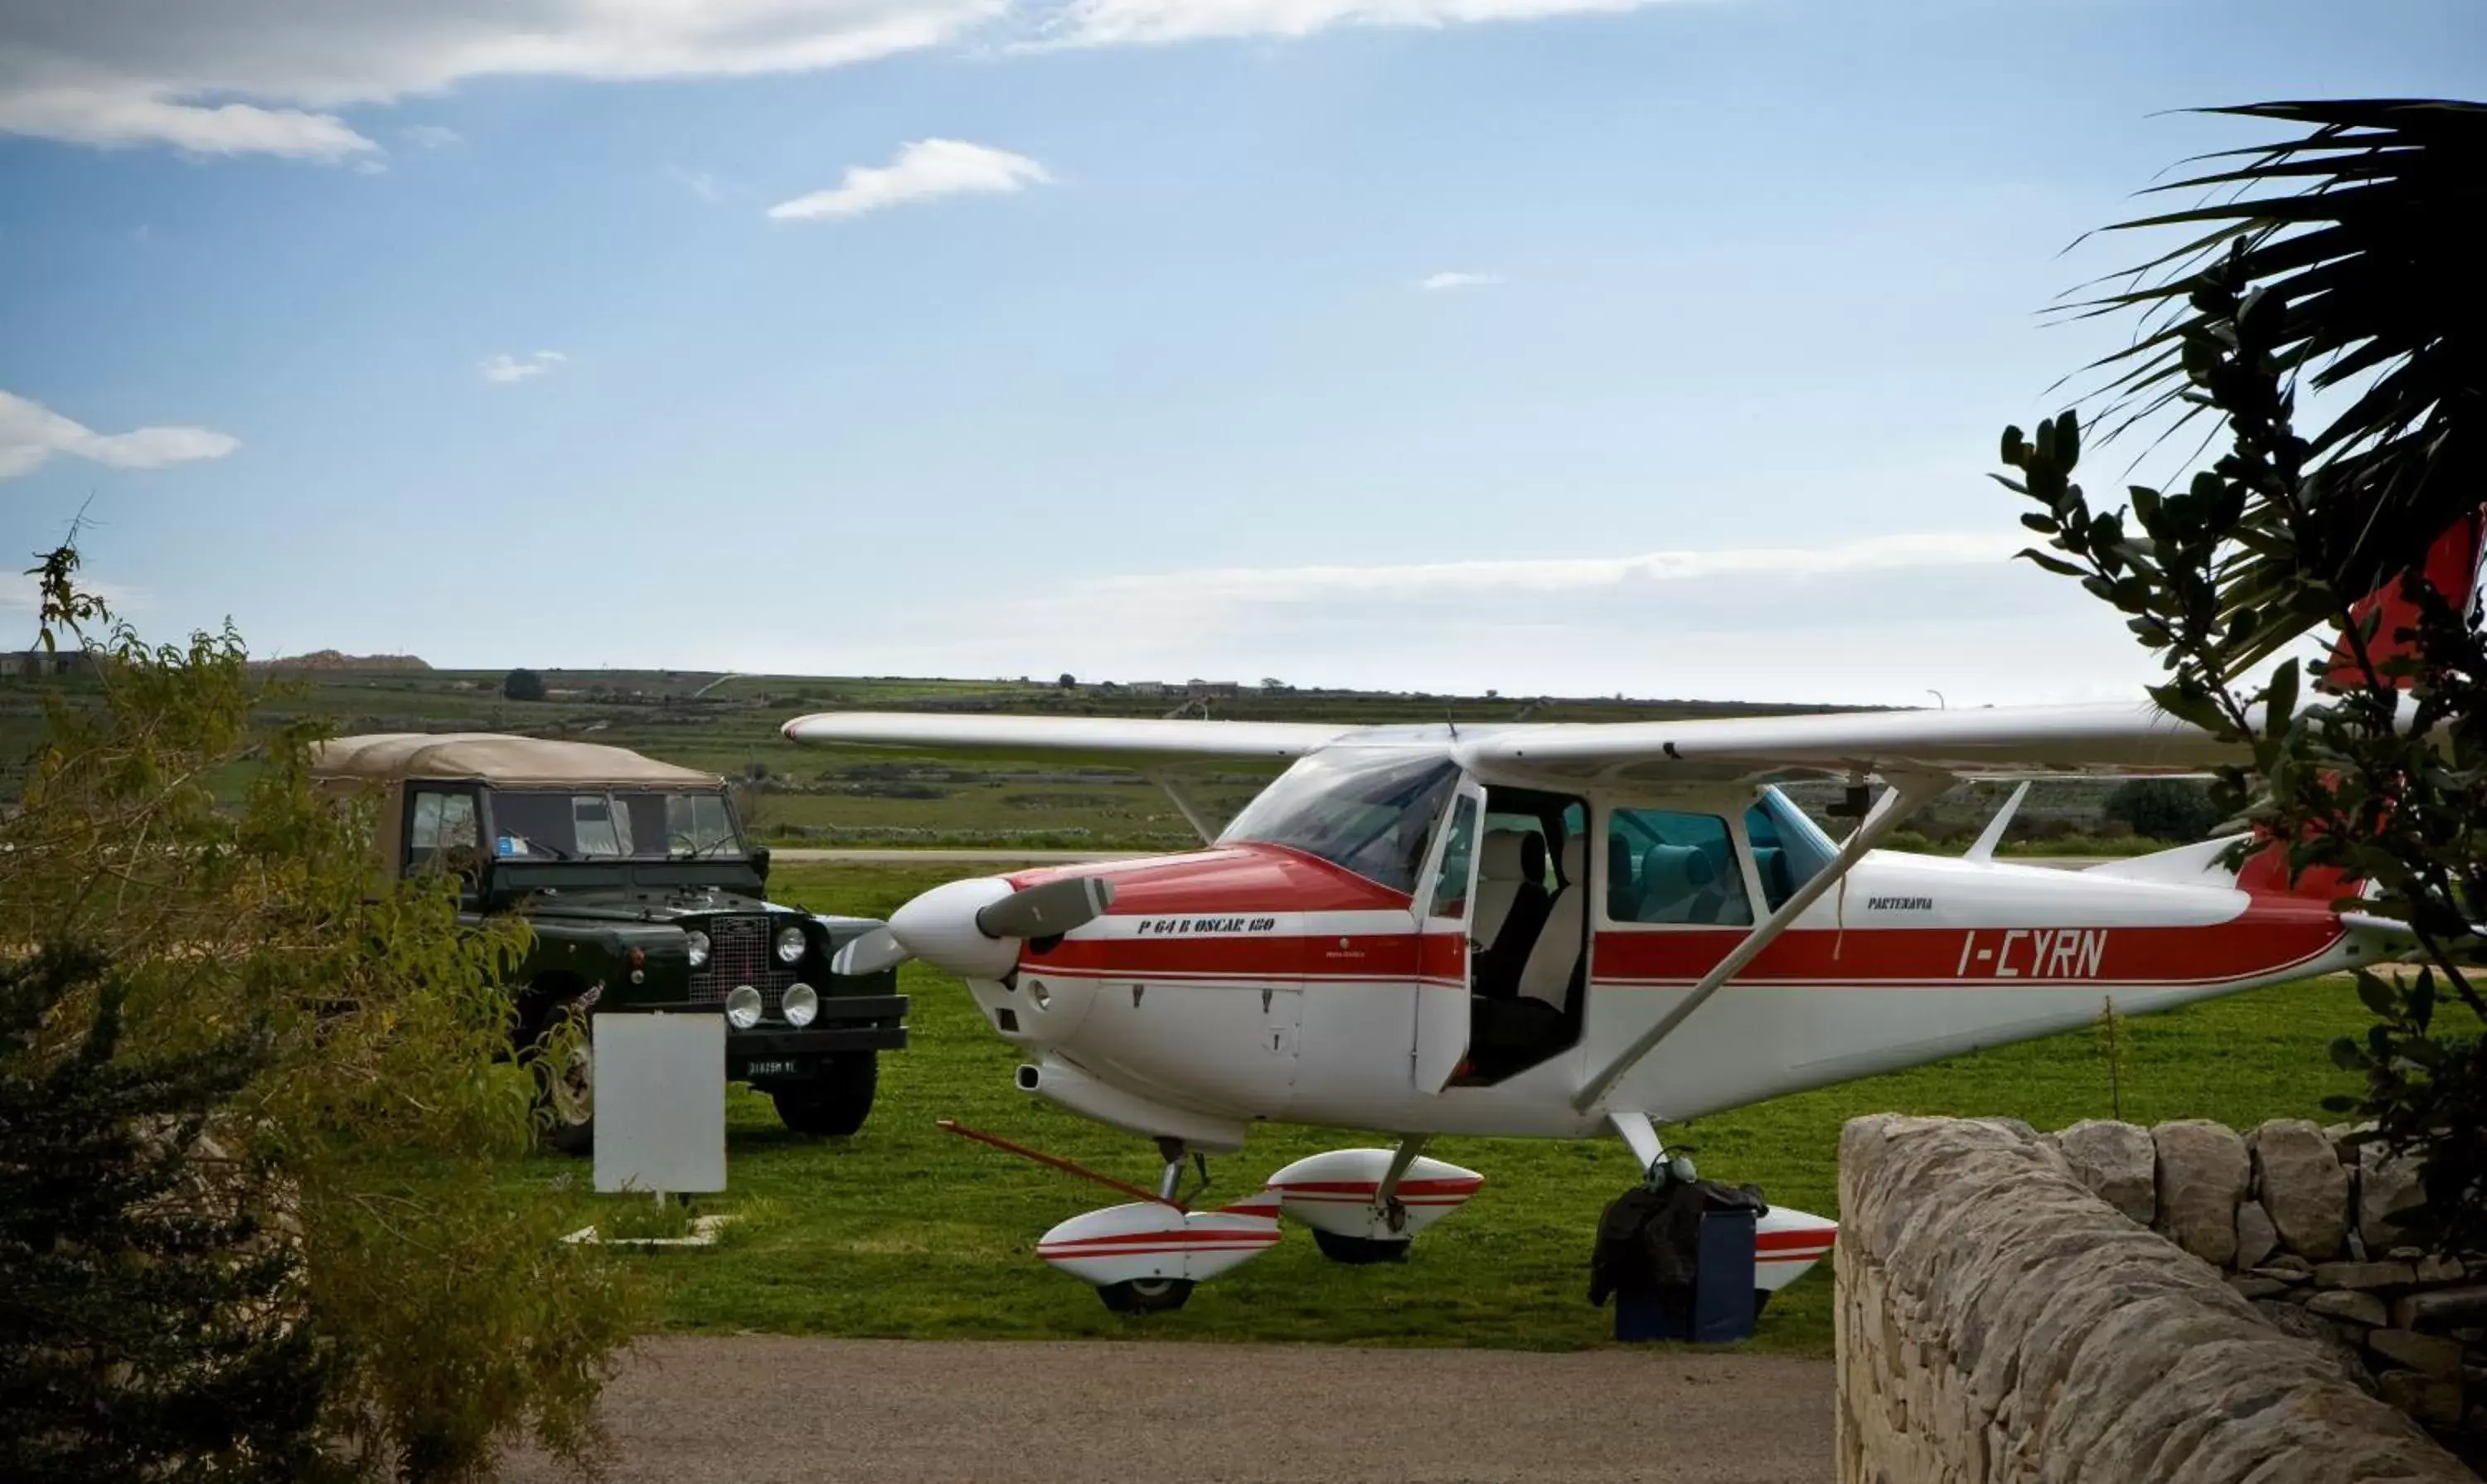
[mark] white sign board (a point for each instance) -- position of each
(659, 1084)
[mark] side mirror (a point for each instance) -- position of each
(760, 860)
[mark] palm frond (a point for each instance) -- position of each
(2365, 232)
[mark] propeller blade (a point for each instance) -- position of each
(868, 954)
(1049, 910)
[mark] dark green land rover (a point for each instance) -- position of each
(643, 895)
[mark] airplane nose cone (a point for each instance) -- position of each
(939, 927)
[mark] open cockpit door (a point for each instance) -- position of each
(1449, 910)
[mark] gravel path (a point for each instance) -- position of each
(757, 1410)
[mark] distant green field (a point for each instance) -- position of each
(907, 1231)
(795, 796)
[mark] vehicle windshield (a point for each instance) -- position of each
(1371, 810)
(587, 823)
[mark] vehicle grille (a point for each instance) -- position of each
(740, 952)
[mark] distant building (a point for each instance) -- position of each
(1200, 690)
(1147, 688)
(15, 664)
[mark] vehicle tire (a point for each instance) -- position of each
(834, 1104)
(1359, 1251)
(565, 1096)
(1146, 1295)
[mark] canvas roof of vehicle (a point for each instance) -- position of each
(497, 759)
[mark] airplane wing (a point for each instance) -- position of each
(2001, 741)
(1132, 741)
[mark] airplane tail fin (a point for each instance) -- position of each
(2452, 566)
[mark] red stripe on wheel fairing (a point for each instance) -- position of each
(1196, 1236)
(1447, 1184)
(1076, 1249)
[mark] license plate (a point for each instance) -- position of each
(769, 1069)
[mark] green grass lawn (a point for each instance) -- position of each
(907, 1231)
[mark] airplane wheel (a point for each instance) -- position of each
(1146, 1295)
(1359, 1251)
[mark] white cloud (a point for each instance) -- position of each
(1442, 281)
(505, 368)
(1142, 22)
(129, 111)
(267, 76)
(274, 76)
(1566, 574)
(699, 182)
(924, 169)
(433, 136)
(20, 591)
(1875, 620)
(32, 433)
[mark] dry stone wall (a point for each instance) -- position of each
(2307, 1235)
(1997, 1321)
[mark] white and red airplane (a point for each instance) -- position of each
(1564, 931)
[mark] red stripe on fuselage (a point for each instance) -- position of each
(2258, 942)
(1228, 879)
(2252, 943)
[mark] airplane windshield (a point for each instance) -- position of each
(1369, 810)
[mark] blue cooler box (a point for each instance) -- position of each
(1722, 1291)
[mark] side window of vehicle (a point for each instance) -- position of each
(1459, 849)
(440, 822)
(1683, 869)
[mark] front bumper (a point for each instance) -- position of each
(848, 1022)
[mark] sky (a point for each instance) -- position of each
(1554, 346)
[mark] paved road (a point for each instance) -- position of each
(912, 857)
(760, 1409)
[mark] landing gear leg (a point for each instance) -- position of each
(1640, 1136)
(1170, 1183)
(1390, 1213)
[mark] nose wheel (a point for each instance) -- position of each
(1147, 1255)
(1146, 1295)
(1359, 1251)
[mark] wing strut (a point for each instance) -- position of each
(1184, 804)
(1909, 793)
(1992, 835)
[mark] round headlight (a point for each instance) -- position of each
(699, 948)
(802, 1002)
(742, 1007)
(789, 944)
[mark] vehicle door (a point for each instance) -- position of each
(1446, 951)
(440, 831)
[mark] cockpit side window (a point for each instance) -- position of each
(1788, 848)
(1370, 811)
(1451, 876)
(1683, 869)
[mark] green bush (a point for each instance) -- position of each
(366, 1138)
(2177, 810)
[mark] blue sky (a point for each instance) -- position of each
(466, 330)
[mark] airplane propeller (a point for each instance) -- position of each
(1049, 910)
(930, 927)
